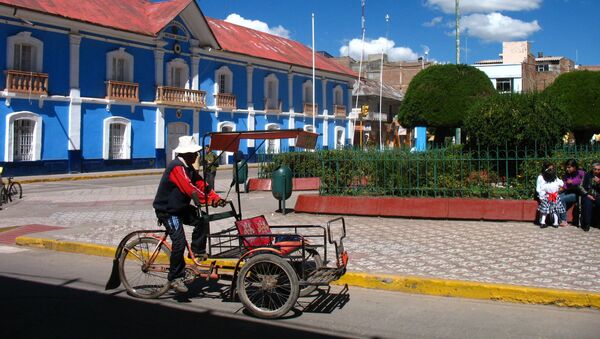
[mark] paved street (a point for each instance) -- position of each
(102, 211)
(44, 288)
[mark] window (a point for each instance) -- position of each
(307, 92)
(23, 137)
(272, 92)
(340, 135)
(119, 66)
(226, 126)
(338, 96)
(24, 53)
(309, 128)
(117, 138)
(272, 145)
(223, 80)
(543, 68)
(504, 85)
(178, 73)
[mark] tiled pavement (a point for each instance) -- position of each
(497, 252)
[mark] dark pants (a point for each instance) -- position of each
(210, 179)
(588, 210)
(174, 224)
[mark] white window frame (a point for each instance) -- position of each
(126, 138)
(338, 91)
(119, 54)
(309, 128)
(225, 157)
(224, 70)
(9, 134)
(276, 143)
(271, 78)
(174, 64)
(335, 140)
(25, 38)
(307, 95)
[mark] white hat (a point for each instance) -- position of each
(187, 144)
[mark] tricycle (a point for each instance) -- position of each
(269, 266)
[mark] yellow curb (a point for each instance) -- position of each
(417, 285)
(88, 177)
(473, 290)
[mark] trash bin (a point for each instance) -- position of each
(281, 185)
(242, 170)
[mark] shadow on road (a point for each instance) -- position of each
(36, 310)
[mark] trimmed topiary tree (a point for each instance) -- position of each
(578, 94)
(516, 120)
(439, 96)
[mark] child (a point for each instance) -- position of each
(547, 188)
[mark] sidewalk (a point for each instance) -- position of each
(512, 261)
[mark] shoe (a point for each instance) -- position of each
(585, 228)
(563, 224)
(179, 286)
(199, 256)
(544, 225)
(555, 225)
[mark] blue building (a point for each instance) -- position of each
(100, 85)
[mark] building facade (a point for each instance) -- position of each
(519, 71)
(96, 85)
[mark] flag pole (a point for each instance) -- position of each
(313, 74)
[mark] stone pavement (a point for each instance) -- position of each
(516, 253)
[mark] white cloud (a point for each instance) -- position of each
(433, 22)
(484, 6)
(497, 27)
(258, 25)
(375, 46)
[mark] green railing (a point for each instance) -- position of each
(503, 173)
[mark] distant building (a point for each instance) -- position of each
(518, 70)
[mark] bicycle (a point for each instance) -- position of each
(9, 190)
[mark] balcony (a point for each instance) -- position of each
(122, 91)
(339, 111)
(225, 101)
(26, 82)
(272, 106)
(176, 96)
(309, 109)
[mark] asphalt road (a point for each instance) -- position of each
(58, 295)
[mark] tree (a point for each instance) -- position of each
(516, 120)
(440, 95)
(578, 94)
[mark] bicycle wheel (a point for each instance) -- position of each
(143, 282)
(15, 190)
(312, 263)
(267, 286)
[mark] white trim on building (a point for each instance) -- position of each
(36, 140)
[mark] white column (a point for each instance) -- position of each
(326, 131)
(74, 43)
(159, 55)
(160, 127)
(324, 91)
(249, 73)
(292, 122)
(196, 126)
(194, 72)
(75, 104)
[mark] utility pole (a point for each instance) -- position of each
(457, 13)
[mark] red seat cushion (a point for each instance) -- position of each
(287, 247)
(254, 226)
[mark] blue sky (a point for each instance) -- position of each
(569, 28)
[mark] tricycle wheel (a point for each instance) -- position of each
(138, 281)
(312, 263)
(267, 286)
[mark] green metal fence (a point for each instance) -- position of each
(449, 172)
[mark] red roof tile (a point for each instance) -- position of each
(138, 16)
(247, 41)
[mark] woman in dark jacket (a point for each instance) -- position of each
(572, 179)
